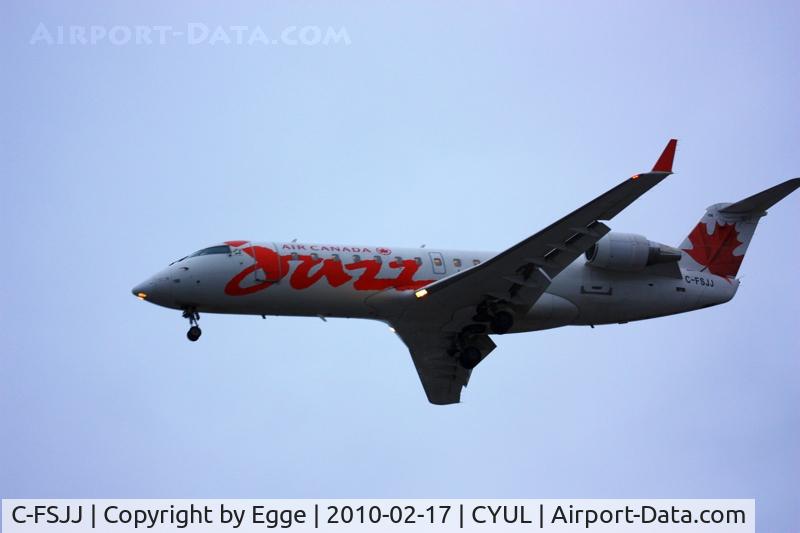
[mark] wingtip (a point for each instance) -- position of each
(795, 183)
(664, 163)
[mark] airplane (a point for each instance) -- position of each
(445, 305)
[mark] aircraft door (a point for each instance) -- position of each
(438, 263)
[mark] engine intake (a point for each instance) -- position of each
(628, 252)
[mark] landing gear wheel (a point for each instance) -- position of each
(194, 333)
(470, 357)
(501, 322)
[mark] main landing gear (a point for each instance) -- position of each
(501, 322)
(500, 319)
(469, 357)
(194, 331)
(466, 346)
(473, 343)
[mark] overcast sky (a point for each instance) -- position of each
(458, 125)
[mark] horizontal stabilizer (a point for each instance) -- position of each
(759, 203)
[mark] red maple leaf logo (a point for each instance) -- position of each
(715, 251)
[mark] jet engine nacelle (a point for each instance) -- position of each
(628, 252)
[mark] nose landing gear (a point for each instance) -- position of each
(194, 331)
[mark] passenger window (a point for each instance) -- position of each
(356, 258)
(335, 257)
(476, 261)
(418, 260)
(314, 256)
(295, 257)
(457, 263)
(437, 261)
(378, 259)
(398, 259)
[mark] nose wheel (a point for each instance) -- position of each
(194, 330)
(194, 333)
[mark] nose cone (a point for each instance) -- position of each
(143, 290)
(157, 289)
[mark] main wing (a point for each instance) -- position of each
(446, 329)
(436, 362)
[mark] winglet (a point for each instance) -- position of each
(664, 163)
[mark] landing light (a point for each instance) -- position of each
(141, 295)
(391, 329)
(421, 293)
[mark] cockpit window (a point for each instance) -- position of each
(223, 249)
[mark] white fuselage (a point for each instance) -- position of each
(378, 283)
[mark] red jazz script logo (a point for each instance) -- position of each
(715, 251)
(311, 269)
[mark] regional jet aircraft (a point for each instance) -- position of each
(446, 304)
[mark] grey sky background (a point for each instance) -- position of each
(458, 125)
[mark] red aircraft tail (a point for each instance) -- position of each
(719, 241)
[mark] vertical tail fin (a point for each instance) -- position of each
(719, 241)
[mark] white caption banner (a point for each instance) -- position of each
(180, 515)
